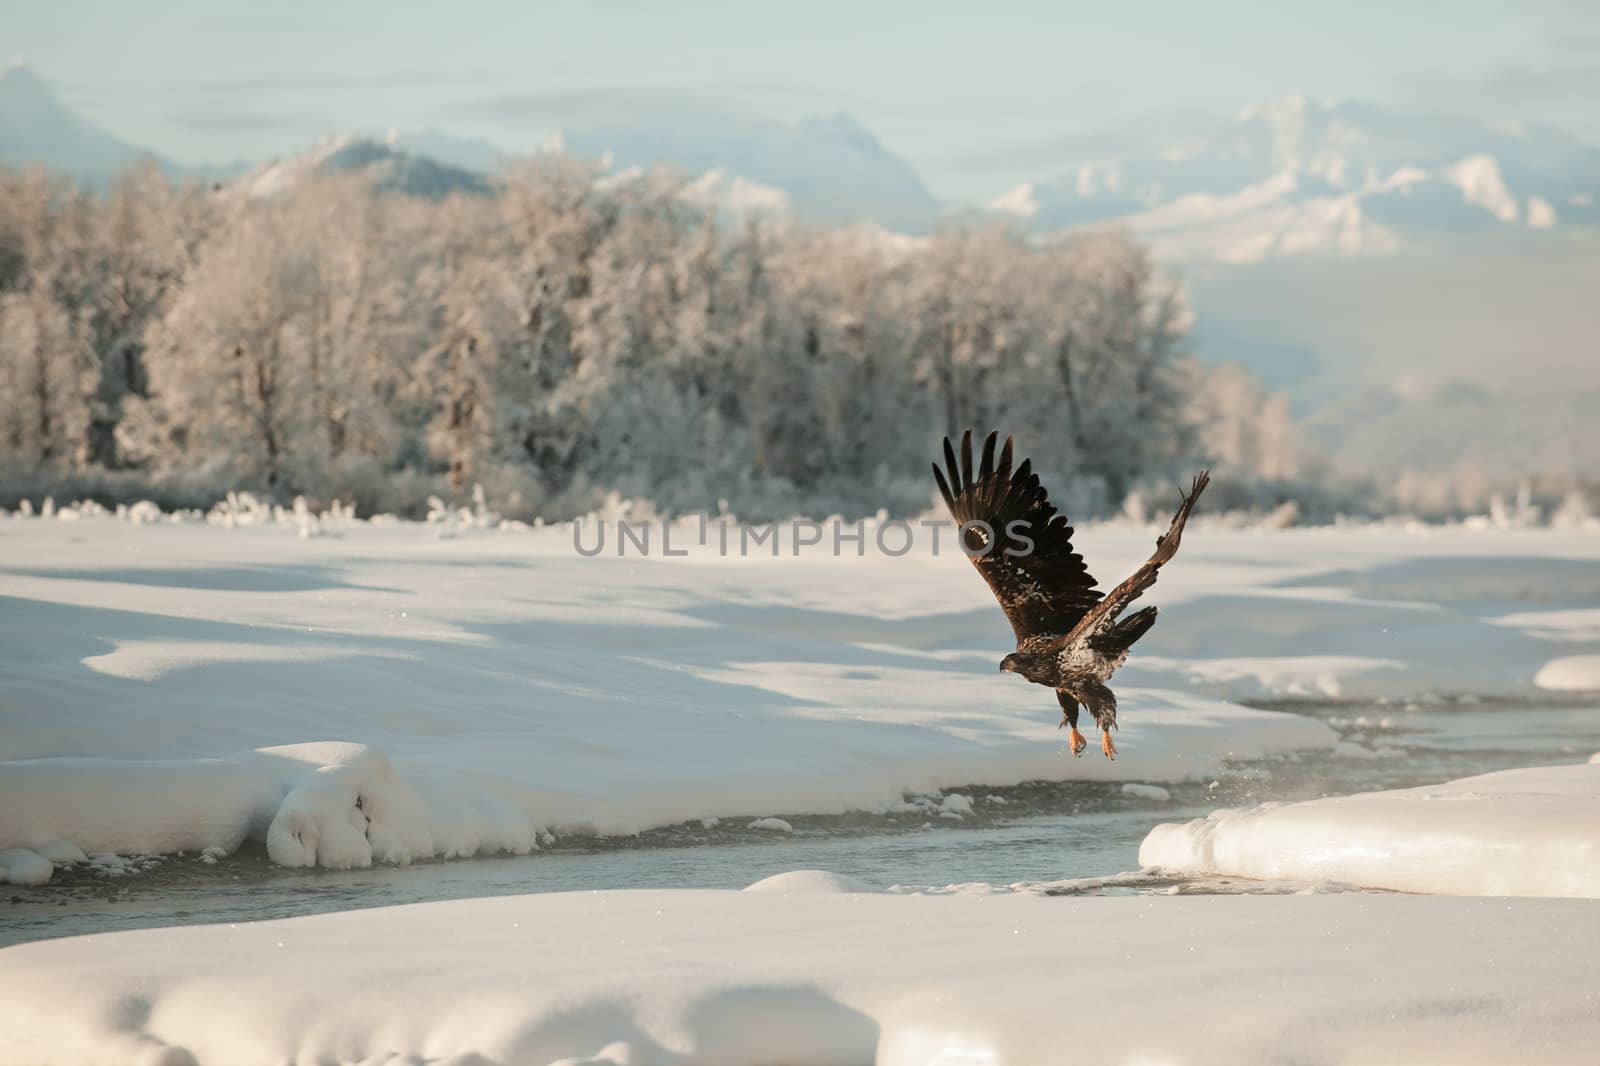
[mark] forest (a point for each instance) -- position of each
(569, 338)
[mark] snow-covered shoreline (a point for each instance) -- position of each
(393, 692)
(1528, 832)
(802, 972)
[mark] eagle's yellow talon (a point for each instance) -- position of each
(1106, 745)
(1076, 739)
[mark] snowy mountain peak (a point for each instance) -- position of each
(1019, 201)
(21, 86)
(831, 169)
(1286, 111)
(1480, 181)
(390, 169)
(1294, 175)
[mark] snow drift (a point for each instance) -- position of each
(1529, 832)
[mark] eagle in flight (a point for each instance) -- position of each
(1070, 636)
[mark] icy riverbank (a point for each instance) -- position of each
(1532, 832)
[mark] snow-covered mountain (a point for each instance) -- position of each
(829, 170)
(465, 153)
(389, 168)
(1293, 176)
(36, 128)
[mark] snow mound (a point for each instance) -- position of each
(957, 804)
(23, 866)
(1570, 673)
(810, 881)
(657, 977)
(1148, 792)
(335, 805)
(775, 825)
(347, 814)
(1529, 832)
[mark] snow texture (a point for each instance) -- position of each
(811, 881)
(1526, 832)
(389, 692)
(670, 978)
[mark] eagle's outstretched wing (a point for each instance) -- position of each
(1044, 590)
(1117, 600)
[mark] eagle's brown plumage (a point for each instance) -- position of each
(1070, 636)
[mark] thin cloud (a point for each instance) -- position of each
(649, 8)
(1134, 135)
(609, 102)
(313, 83)
(224, 122)
(773, 100)
(1569, 25)
(1530, 85)
(1560, 95)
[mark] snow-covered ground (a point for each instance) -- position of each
(400, 691)
(1530, 832)
(803, 972)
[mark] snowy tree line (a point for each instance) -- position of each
(573, 339)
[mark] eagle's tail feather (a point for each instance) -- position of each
(1122, 636)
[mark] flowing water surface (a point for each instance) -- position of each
(1030, 833)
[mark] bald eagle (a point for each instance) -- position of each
(1070, 636)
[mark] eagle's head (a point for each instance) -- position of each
(1033, 667)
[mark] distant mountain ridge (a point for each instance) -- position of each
(37, 128)
(389, 168)
(1295, 176)
(1290, 176)
(828, 170)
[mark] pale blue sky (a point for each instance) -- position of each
(977, 96)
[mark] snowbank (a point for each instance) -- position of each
(323, 804)
(652, 978)
(1570, 673)
(1530, 832)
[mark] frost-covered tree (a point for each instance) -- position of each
(1113, 332)
(1245, 429)
(223, 360)
(574, 336)
(137, 253)
(44, 349)
(44, 367)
